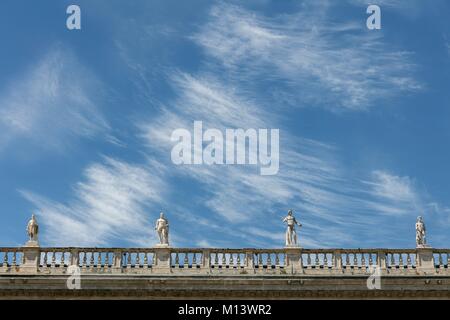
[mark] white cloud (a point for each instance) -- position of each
(407, 8)
(393, 187)
(337, 65)
(310, 180)
(334, 208)
(386, 3)
(319, 61)
(111, 203)
(52, 103)
(394, 195)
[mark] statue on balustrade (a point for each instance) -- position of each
(32, 230)
(162, 227)
(421, 240)
(291, 234)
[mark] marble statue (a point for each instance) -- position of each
(420, 233)
(162, 227)
(33, 229)
(291, 234)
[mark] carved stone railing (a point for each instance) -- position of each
(167, 260)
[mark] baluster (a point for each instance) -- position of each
(325, 260)
(355, 260)
(138, 260)
(128, 259)
(363, 260)
(238, 262)
(5, 259)
(77, 259)
(260, 260)
(347, 260)
(107, 260)
(92, 261)
(392, 260)
(99, 260)
(231, 260)
(308, 260)
(186, 259)
(216, 259)
(441, 264)
(145, 259)
(194, 260)
(62, 262)
(14, 258)
(370, 260)
(84, 259)
(408, 260)
(317, 261)
(277, 259)
(224, 260)
(53, 259)
(177, 260)
(400, 260)
(45, 260)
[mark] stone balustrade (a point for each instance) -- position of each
(191, 261)
(35, 272)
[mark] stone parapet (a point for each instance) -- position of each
(164, 272)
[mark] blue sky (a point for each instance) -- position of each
(86, 117)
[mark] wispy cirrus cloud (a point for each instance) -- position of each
(52, 103)
(338, 65)
(235, 194)
(243, 47)
(400, 195)
(317, 61)
(393, 195)
(310, 178)
(335, 207)
(385, 185)
(110, 204)
(408, 8)
(386, 3)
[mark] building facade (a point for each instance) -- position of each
(186, 273)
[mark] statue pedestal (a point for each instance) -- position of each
(293, 258)
(32, 243)
(425, 260)
(162, 259)
(292, 246)
(161, 245)
(31, 255)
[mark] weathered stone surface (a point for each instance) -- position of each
(220, 287)
(33, 272)
(166, 272)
